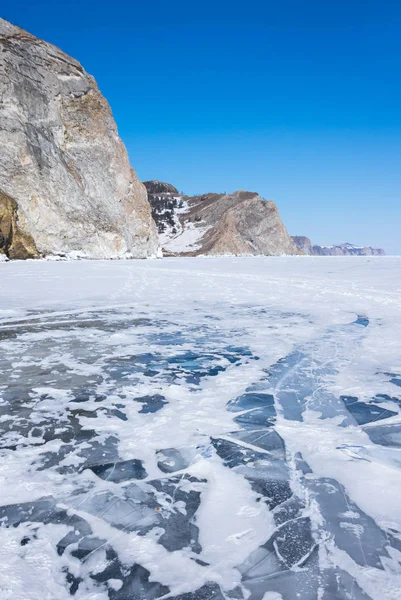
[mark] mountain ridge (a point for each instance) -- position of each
(344, 249)
(241, 223)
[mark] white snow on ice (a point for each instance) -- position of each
(207, 428)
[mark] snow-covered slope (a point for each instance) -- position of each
(209, 429)
(241, 223)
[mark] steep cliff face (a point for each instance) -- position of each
(66, 184)
(215, 224)
(304, 244)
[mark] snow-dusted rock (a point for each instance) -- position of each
(215, 224)
(66, 184)
(347, 250)
(304, 244)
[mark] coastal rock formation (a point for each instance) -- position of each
(304, 244)
(347, 250)
(241, 223)
(66, 185)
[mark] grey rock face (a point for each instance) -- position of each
(347, 250)
(215, 224)
(304, 244)
(63, 169)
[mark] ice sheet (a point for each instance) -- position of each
(201, 429)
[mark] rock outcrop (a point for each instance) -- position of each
(14, 242)
(347, 250)
(156, 188)
(241, 223)
(304, 244)
(66, 185)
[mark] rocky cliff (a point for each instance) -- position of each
(66, 185)
(214, 224)
(305, 245)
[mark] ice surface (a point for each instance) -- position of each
(120, 470)
(366, 412)
(151, 404)
(385, 435)
(201, 429)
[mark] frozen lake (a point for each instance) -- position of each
(201, 429)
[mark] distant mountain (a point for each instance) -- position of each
(241, 223)
(305, 245)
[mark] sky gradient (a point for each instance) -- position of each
(297, 100)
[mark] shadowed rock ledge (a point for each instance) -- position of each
(66, 185)
(14, 242)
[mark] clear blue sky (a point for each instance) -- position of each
(299, 100)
